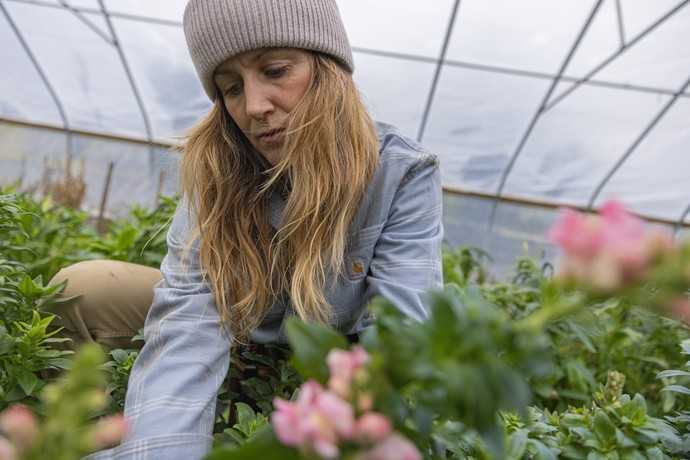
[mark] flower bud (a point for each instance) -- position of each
(394, 447)
(372, 427)
(361, 377)
(365, 401)
(339, 386)
(605, 273)
(95, 400)
(109, 431)
(19, 424)
(7, 450)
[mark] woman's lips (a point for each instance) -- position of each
(273, 136)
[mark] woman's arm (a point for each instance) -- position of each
(407, 256)
(171, 398)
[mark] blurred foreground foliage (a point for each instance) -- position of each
(474, 382)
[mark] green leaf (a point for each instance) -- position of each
(685, 345)
(542, 452)
(27, 381)
(6, 341)
(235, 436)
(119, 355)
(245, 417)
(604, 428)
(60, 363)
(655, 453)
(311, 343)
(517, 445)
(28, 288)
(672, 373)
(263, 445)
(494, 439)
(677, 389)
(593, 455)
(581, 334)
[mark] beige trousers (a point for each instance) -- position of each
(113, 300)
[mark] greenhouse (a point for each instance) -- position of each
(530, 107)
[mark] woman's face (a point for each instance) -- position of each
(259, 89)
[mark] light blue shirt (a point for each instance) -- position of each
(394, 251)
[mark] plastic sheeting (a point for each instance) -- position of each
(485, 113)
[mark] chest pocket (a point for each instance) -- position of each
(360, 252)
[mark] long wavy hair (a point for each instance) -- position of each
(330, 154)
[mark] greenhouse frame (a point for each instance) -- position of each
(530, 105)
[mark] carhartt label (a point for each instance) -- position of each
(357, 267)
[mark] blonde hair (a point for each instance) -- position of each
(329, 158)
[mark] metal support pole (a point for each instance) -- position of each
(132, 83)
(42, 75)
(615, 55)
(540, 110)
(439, 68)
(637, 142)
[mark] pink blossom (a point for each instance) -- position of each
(340, 386)
(372, 427)
(286, 422)
(109, 431)
(7, 450)
(394, 447)
(605, 272)
(343, 366)
(608, 250)
(316, 422)
(577, 234)
(20, 426)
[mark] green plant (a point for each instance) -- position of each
(678, 386)
(67, 430)
(257, 374)
(248, 425)
(464, 265)
(140, 238)
(24, 351)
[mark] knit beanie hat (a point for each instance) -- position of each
(217, 30)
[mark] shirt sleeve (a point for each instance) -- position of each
(407, 257)
(171, 397)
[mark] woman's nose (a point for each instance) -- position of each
(257, 100)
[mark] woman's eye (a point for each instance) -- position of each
(275, 72)
(234, 90)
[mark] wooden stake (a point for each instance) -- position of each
(104, 197)
(161, 179)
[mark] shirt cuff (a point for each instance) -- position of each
(179, 446)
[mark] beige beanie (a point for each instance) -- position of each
(217, 30)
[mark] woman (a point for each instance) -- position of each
(294, 203)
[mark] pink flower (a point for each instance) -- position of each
(7, 450)
(343, 366)
(372, 427)
(20, 426)
(286, 422)
(339, 386)
(109, 431)
(316, 422)
(394, 447)
(608, 250)
(577, 234)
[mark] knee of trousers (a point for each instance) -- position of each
(84, 279)
(111, 298)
